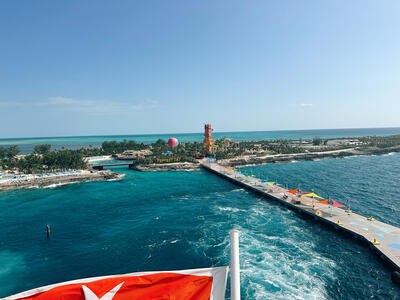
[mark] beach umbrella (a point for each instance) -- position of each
(294, 192)
(173, 142)
(337, 204)
(312, 195)
(322, 202)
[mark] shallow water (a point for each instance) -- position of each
(179, 220)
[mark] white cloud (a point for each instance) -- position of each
(306, 105)
(99, 106)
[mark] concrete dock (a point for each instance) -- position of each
(382, 237)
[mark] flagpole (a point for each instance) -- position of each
(235, 266)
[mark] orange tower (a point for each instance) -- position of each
(207, 142)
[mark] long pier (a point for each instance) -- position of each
(382, 237)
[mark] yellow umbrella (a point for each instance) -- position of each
(312, 195)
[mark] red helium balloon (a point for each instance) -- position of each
(173, 142)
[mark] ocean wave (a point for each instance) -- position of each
(270, 271)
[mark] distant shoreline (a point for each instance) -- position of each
(250, 160)
(284, 158)
(76, 142)
(34, 181)
(192, 133)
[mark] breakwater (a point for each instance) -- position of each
(379, 236)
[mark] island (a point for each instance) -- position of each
(44, 167)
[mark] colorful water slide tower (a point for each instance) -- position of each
(207, 142)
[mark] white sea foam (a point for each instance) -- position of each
(352, 156)
(232, 209)
(54, 185)
(276, 264)
(238, 190)
(271, 272)
(389, 154)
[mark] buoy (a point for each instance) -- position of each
(48, 230)
(375, 242)
(339, 223)
(371, 219)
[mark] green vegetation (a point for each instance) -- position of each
(8, 152)
(182, 153)
(43, 159)
(113, 147)
(47, 161)
(317, 141)
(42, 148)
(381, 141)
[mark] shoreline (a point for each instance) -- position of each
(33, 181)
(250, 160)
(310, 156)
(40, 181)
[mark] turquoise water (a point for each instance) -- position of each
(178, 220)
(27, 144)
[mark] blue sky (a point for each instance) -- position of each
(131, 67)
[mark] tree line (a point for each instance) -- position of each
(42, 160)
(381, 141)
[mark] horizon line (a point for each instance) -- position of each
(182, 133)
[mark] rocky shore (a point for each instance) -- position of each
(34, 181)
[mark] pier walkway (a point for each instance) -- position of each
(382, 237)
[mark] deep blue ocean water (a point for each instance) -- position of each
(179, 220)
(75, 142)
